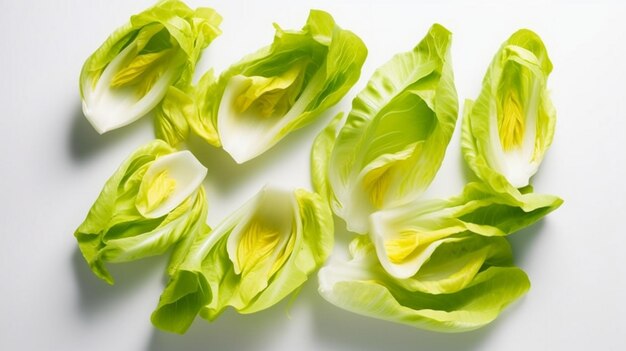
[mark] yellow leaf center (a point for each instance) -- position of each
(257, 244)
(376, 184)
(272, 96)
(400, 248)
(143, 71)
(161, 188)
(511, 128)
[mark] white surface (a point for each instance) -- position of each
(53, 165)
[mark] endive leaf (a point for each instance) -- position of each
(444, 296)
(405, 237)
(280, 88)
(152, 202)
(508, 129)
(172, 115)
(130, 73)
(394, 139)
(320, 154)
(253, 259)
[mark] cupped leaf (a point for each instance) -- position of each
(394, 139)
(253, 259)
(449, 295)
(167, 182)
(508, 129)
(153, 201)
(405, 237)
(456, 262)
(131, 72)
(280, 88)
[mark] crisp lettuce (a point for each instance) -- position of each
(464, 285)
(508, 129)
(278, 89)
(253, 259)
(131, 72)
(171, 116)
(154, 200)
(439, 264)
(395, 137)
(405, 237)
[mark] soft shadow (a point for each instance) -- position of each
(522, 240)
(230, 331)
(84, 142)
(341, 329)
(344, 330)
(349, 331)
(228, 175)
(223, 170)
(96, 295)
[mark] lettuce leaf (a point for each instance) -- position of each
(438, 264)
(153, 201)
(131, 72)
(394, 139)
(508, 129)
(405, 237)
(464, 285)
(252, 260)
(278, 89)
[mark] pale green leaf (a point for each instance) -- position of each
(280, 88)
(253, 259)
(446, 295)
(138, 214)
(396, 134)
(508, 129)
(130, 73)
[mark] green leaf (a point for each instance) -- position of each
(142, 68)
(320, 154)
(508, 129)
(280, 88)
(253, 259)
(153, 201)
(446, 295)
(172, 114)
(130, 73)
(405, 237)
(183, 297)
(207, 87)
(394, 139)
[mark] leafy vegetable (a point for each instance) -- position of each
(153, 201)
(434, 264)
(464, 285)
(507, 131)
(170, 117)
(252, 260)
(280, 88)
(406, 237)
(320, 157)
(131, 72)
(395, 137)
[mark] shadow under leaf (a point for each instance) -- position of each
(523, 240)
(84, 142)
(96, 295)
(228, 175)
(345, 330)
(230, 331)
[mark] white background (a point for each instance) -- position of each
(53, 166)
